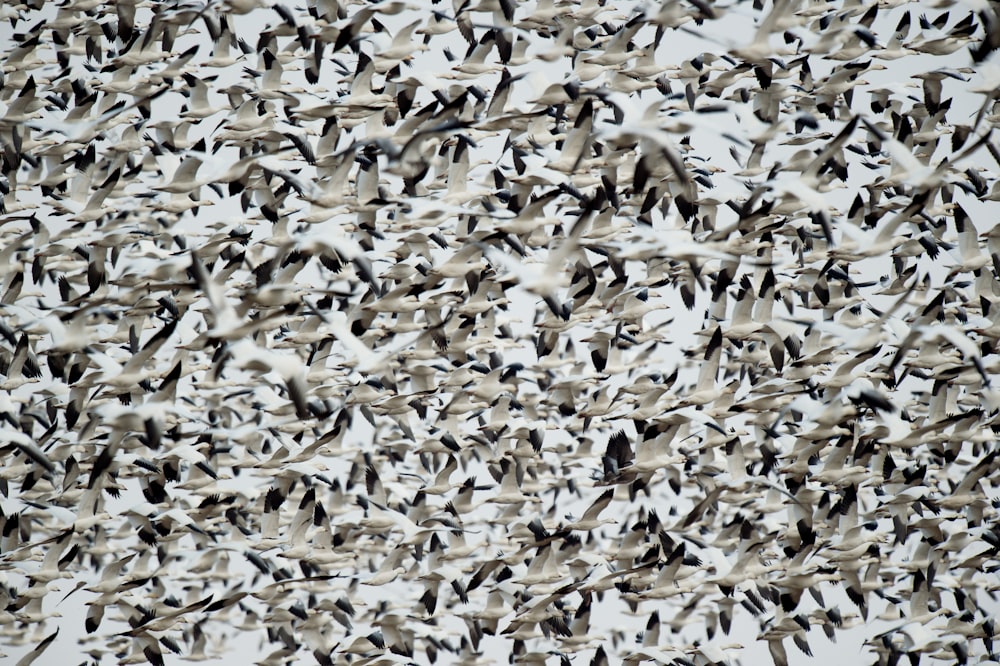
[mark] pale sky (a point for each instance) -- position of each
(610, 615)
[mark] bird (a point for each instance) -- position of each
(529, 332)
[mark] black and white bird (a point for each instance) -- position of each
(559, 331)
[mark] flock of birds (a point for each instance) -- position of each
(538, 332)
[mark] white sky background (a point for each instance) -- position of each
(676, 48)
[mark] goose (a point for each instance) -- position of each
(84, 129)
(712, 653)
(401, 49)
(389, 569)
(541, 280)
(373, 643)
(125, 377)
(50, 569)
(542, 571)
(499, 604)
(199, 107)
(185, 178)
(509, 492)
(21, 367)
(441, 485)
(474, 64)
(84, 208)
(590, 520)
(654, 453)
(485, 262)
(525, 621)
(362, 101)
(383, 518)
